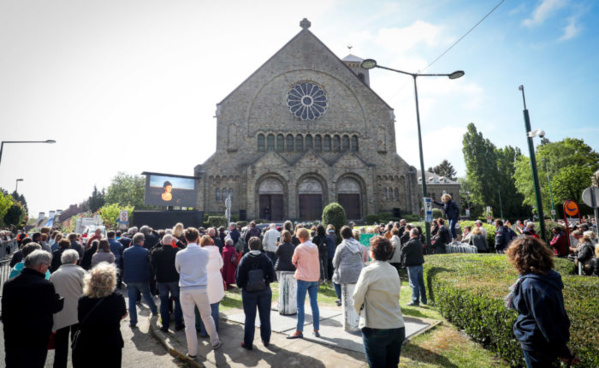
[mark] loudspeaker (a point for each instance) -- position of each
(396, 212)
(242, 215)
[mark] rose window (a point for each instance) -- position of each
(307, 101)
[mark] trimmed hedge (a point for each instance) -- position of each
(469, 290)
(217, 221)
(334, 214)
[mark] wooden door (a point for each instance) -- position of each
(310, 206)
(276, 205)
(351, 204)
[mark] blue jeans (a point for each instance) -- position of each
(214, 312)
(535, 359)
(312, 288)
(383, 347)
(133, 288)
(452, 223)
(164, 288)
(262, 300)
(417, 284)
(337, 290)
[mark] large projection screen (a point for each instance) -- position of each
(170, 190)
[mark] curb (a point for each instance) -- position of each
(154, 331)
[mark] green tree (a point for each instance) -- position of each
(127, 190)
(15, 215)
(110, 214)
(445, 169)
(556, 160)
(5, 203)
(481, 168)
(511, 199)
(96, 200)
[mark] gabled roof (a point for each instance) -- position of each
(301, 33)
(272, 159)
(311, 155)
(432, 178)
(351, 158)
(353, 58)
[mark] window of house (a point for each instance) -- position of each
(318, 142)
(280, 143)
(336, 143)
(385, 194)
(261, 143)
(309, 142)
(217, 194)
(397, 194)
(327, 143)
(299, 143)
(289, 145)
(345, 144)
(270, 142)
(354, 143)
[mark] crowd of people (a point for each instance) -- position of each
(65, 290)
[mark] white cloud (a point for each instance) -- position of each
(404, 39)
(544, 11)
(571, 30)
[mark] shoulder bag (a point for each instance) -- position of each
(78, 332)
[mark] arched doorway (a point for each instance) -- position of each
(349, 197)
(310, 199)
(271, 194)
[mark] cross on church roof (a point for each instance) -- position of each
(305, 24)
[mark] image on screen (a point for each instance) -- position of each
(170, 190)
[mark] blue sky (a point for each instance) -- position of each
(132, 85)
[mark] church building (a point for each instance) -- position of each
(302, 131)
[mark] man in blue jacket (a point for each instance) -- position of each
(136, 274)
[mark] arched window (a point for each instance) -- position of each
(224, 194)
(345, 146)
(231, 193)
(299, 143)
(354, 143)
(309, 143)
(261, 143)
(385, 194)
(270, 142)
(280, 143)
(327, 143)
(318, 143)
(397, 194)
(336, 143)
(217, 194)
(289, 144)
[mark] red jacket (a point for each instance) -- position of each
(558, 243)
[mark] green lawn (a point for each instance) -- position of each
(443, 346)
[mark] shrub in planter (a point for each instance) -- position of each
(216, 221)
(469, 290)
(334, 214)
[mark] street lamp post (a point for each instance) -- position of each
(371, 64)
(17, 185)
(3, 142)
(533, 163)
(550, 194)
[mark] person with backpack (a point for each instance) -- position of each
(254, 275)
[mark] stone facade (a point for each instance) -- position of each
(285, 154)
(437, 185)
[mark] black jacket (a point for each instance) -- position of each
(412, 254)
(86, 261)
(595, 266)
(28, 303)
(451, 209)
(284, 254)
(502, 238)
(251, 262)
(163, 263)
(218, 243)
(543, 325)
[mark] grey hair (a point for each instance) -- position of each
(69, 256)
(229, 241)
(38, 257)
(414, 232)
(138, 238)
(167, 239)
(233, 224)
(212, 231)
(144, 229)
(273, 226)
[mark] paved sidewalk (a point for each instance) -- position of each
(280, 353)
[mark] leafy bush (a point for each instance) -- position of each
(490, 231)
(334, 214)
(412, 218)
(469, 290)
(437, 213)
(216, 221)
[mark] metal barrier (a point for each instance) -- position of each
(4, 273)
(460, 248)
(8, 247)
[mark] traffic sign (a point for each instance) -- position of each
(124, 216)
(428, 209)
(590, 194)
(571, 208)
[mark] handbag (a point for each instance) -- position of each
(234, 258)
(52, 342)
(78, 332)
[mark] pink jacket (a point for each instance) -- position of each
(306, 261)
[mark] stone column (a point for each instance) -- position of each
(351, 319)
(287, 293)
